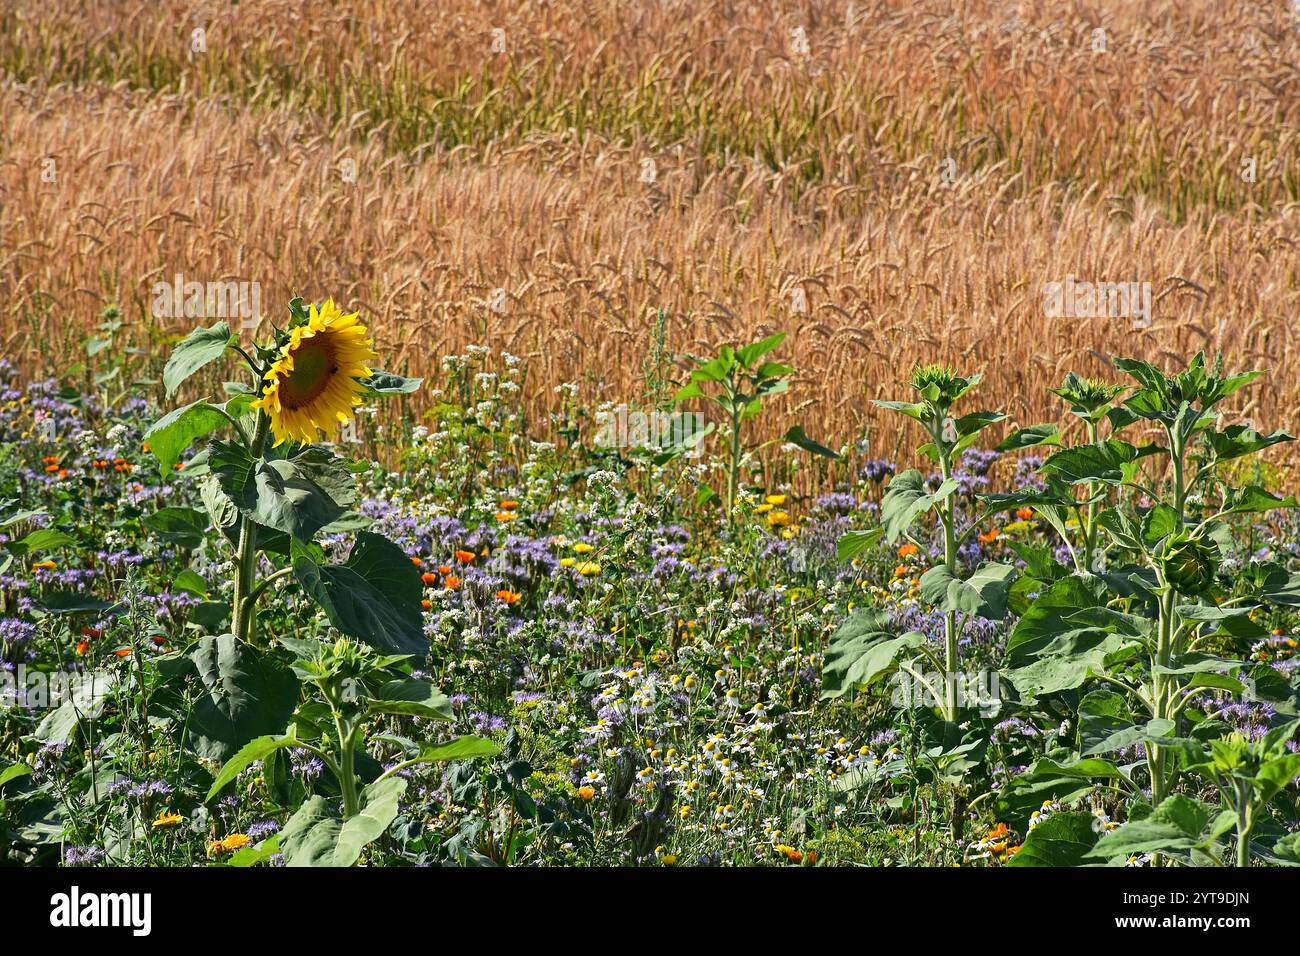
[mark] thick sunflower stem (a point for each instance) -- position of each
(243, 605)
(951, 636)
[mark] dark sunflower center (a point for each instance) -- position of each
(314, 367)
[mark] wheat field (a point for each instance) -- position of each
(888, 182)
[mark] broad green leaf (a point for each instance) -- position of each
(374, 597)
(314, 837)
(1238, 440)
(298, 496)
(13, 772)
(1179, 823)
(910, 409)
(797, 437)
(191, 583)
(256, 749)
(247, 693)
(174, 432)
(462, 748)
(1106, 462)
(19, 516)
(969, 426)
(906, 499)
(1122, 529)
(196, 350)
(749, 354)
(1047, 617)
(862, 650)
(1281, 587)
(1045, 434)
(1067, 661)
(415, 698)
(984, 593)
(1126, 737)
(386, 383)
(42, 539)
(689, 391)
(1040, 562)
(1063, 839)
(854, 543)
(88, 693)
(1160, 522)
(1086, 768)
(76, 602)
(180, 526)
(252, 855)
(1253, 498)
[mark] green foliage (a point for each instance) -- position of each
(737, 382)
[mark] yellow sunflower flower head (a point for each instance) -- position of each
(314, 383)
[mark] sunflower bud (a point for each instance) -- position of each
(1189, 564)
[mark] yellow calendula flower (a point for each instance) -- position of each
(583, 548)
(775, 499)
(589, 568)
(166, 820)
(778, 519)
(314, 383)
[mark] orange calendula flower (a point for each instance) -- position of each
(989, 536)
(507, 516)
(790, 853)
(907, 550)
(44, 566)
(451, 582)
(444, 569)
(509, 505)
(429, 578)
(1024, 514)
(508, 597)
(427, 605)
(587, 793)
(415, 560)
(123, 652)
(236, 841)
(465, 557)
(83, 646)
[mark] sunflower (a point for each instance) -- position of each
(314, 383)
